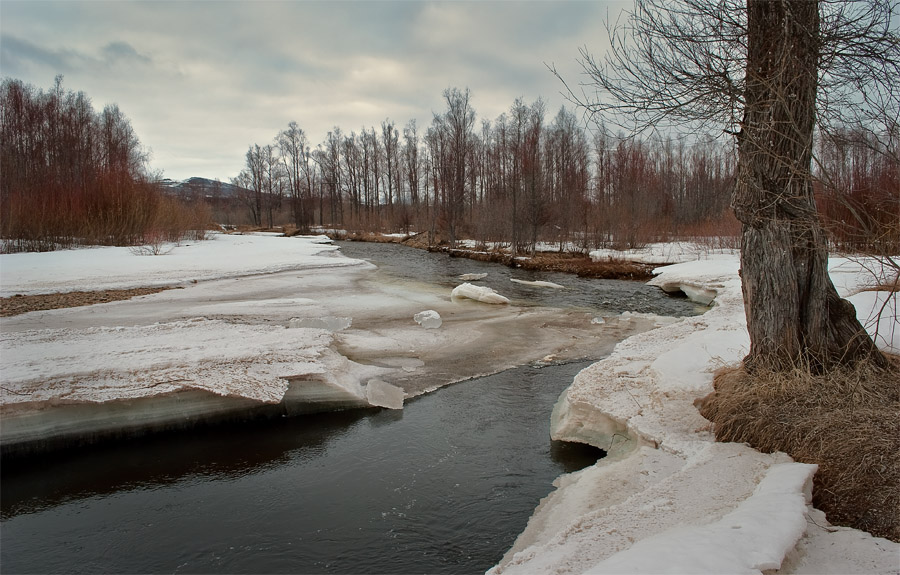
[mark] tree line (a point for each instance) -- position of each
(518, 180)
(72, 175)
(526, 178)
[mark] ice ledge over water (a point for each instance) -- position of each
(62, 384)
(668, 498)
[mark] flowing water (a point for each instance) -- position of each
(402, 263)
(443, 486)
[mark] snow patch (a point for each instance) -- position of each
(754, 537)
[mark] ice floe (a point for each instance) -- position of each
(478, 293)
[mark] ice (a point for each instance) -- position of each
(328, 323)
(429, 319)
(382, 394)
(478, 293)
(472, 277)
(537, 283)
(222, 345)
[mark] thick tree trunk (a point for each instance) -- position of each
(794, 313)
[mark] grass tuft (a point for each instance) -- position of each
(847, 422)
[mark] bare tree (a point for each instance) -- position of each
(762, 71)
(294, 149)
(390, 140)
(458, 123)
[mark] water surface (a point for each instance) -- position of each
(443, 486)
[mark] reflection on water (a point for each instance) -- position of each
(442, 487)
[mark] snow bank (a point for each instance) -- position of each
(668, 498)
(222, 256)
(60, 383)
(662, 253)
(477, 293)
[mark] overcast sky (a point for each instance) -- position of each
(201, 81)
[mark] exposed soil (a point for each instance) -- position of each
(19, 304)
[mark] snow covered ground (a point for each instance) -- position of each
(260, 320)
(669, 499)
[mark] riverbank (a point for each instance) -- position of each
(550, 260)
(669, 498)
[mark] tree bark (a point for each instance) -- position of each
(794, 314)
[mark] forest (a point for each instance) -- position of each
(73, 176)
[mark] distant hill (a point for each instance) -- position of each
(203, 187)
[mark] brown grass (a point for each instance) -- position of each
(19, 304)
(847, 422)
(581, 266)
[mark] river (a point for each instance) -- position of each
(443, 486)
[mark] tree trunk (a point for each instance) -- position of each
(794, 314)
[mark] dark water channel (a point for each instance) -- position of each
(443, 486)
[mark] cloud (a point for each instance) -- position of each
(203, 80)
(19, 56)
(119, 51)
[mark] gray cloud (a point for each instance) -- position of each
(203, 80)
(19, 56)
(119, 51)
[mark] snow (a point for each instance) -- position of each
(668, 498)
(478, 293)
(662, 253)
(428, 319)
(223, 256)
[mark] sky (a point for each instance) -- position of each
(203, 80)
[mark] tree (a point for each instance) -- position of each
(763, 72)
(294, 149)
(458, 123)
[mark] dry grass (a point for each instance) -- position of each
(18, 304)
(847, 422)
